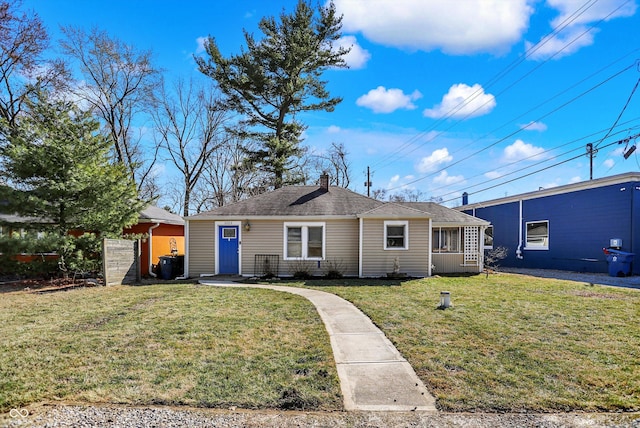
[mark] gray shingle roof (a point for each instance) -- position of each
(153, 214)
(303, 201)
(394, 210)
(441, 214)
(296, 201)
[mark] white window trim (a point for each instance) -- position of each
(460, 243)
(526, 237)
(487, 247)
(404, 223)
(305, 239)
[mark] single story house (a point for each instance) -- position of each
(319, 228)
(164, 236)
(566, 227)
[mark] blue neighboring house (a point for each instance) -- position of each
(565, 227)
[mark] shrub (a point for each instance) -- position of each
(333, 269)
(300, 269)
(493, 257)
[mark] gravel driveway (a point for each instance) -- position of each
(590, 278)
(126, 417)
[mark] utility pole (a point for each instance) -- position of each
(368, 182)
(591, 153)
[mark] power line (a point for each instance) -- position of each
(528, 166)
(569, 20)
(515, 132)
(544, 169)
(621, 112)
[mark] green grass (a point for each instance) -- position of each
(166, 344)
(509, 343)
(512, 343)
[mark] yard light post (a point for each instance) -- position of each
(445, 300)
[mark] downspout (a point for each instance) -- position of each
(151, 250)
(360, 249)
(519, 251)
(430, 259)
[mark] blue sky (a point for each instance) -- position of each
(442, 96)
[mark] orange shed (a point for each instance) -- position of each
(164, 236)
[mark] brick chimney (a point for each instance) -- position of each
(324, 181)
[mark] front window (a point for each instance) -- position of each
(294, 242)
(488, 238)
(538, 235)
(304, 241)
(396, 236)
(446, 240)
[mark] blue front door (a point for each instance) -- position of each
(228, 250)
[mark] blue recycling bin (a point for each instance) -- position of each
(619, 262)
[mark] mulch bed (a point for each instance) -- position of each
(46, 285)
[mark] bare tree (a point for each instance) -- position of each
(190, 123)
(229, 178)
(119, 84)
(407, 195)
(379, 194)
(23, 70)
(334, 162)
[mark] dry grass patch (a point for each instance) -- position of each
(166, 344)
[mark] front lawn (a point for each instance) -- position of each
(179, 344)
(509, 343)
(512, 343)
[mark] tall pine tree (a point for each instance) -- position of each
(278, 77)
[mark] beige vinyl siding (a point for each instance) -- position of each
(267, 237)
(451, 263)
(376, 261)
(201, 249)
(343, 245)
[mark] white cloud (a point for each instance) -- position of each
(572, 25)
(549, 185)
(357, 57)
(480, 26)
(565, 43)
(602, 9)
(463, 101)
(619, 151)
(575, 179)
(609, 163)
(534, 126)
(444, 179)
(521, 151)
(383, 100)
(492, 175)
(200, 42)
(333, 129)
(430, 163)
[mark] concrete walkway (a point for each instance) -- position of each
(373, 374)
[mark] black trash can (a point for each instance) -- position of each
(178, 266)
(619, 262)
(167, 264)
